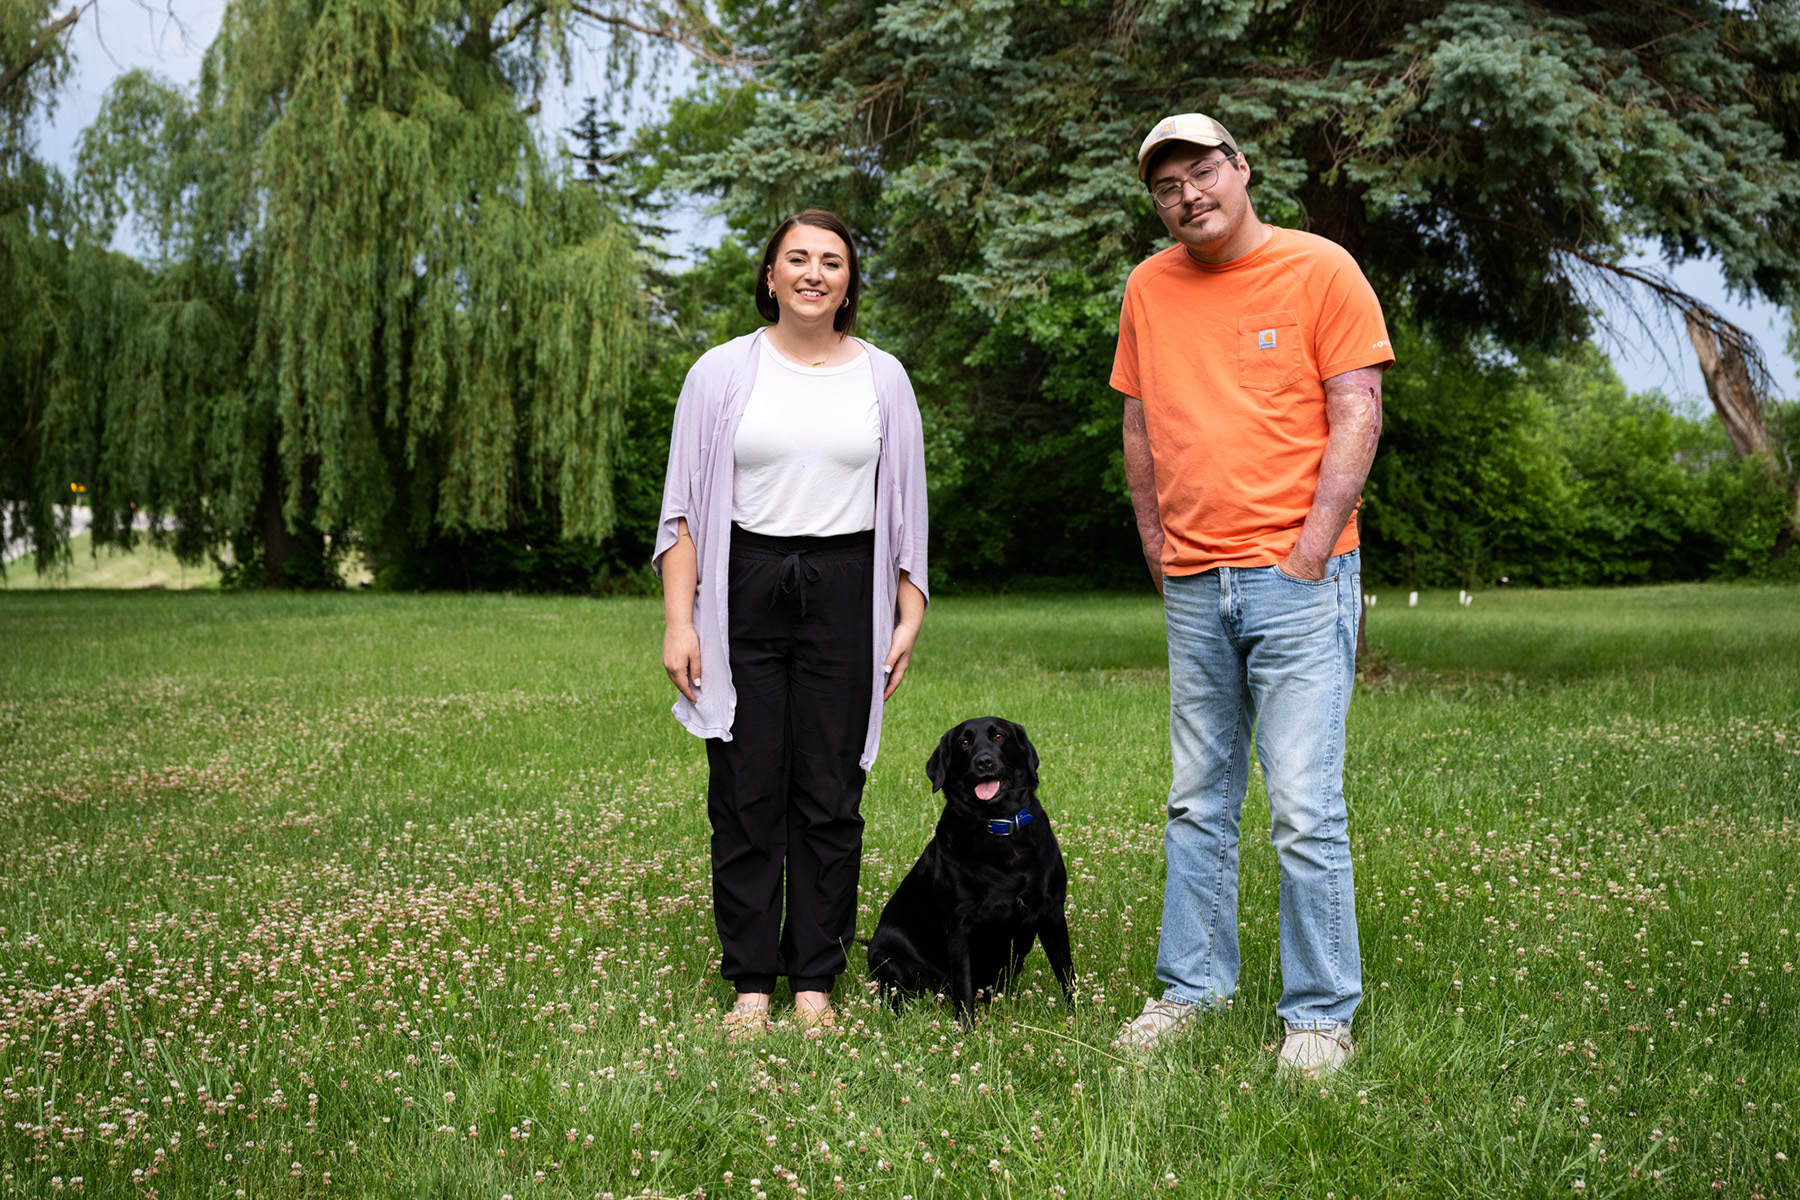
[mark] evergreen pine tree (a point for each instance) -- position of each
(1492, 165)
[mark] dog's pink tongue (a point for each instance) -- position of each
(987, 789)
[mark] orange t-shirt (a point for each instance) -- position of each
(1230, 361)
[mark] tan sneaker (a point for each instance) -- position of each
(1314, 1053)
(1159, 1020)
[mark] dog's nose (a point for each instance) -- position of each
(985, 764)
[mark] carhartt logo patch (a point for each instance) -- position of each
(1265, 339)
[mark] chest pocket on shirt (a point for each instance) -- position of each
(1269, 355)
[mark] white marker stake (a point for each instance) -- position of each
(1412, 600)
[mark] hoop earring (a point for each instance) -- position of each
(846, 303)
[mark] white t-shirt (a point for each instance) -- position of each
(806, 449)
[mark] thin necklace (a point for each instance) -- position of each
(781, 342)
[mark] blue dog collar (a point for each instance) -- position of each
(1010, 825)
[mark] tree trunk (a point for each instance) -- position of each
(1337, 212)
(1729, 387)
(280, 545)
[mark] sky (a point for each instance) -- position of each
(120, 35)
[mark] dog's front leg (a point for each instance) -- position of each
(962, 979)
(1054, 934)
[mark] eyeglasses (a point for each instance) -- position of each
(1201, 179)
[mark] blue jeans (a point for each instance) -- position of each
(1251, 649)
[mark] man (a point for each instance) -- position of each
(1250, 358)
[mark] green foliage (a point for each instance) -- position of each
(690, 310)
(1547, 471)
(1468, 475)
(424, 277)
(33, 263)
(36, 221)
(378, 313)
(34, 61)
(375, 305)
(1482, 161)
(1649, 488)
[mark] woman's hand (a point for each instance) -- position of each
(899, 656)
(681, 659)
(681, 645)
(909, 603)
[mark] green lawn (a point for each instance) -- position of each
(366, 895)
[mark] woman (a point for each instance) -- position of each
(792, 553)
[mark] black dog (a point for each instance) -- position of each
(990, 880)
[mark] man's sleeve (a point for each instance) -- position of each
(1125, 377)
(1350, 332)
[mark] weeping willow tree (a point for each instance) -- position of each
(375, 306)
(35, 220)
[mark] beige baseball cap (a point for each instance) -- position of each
(1197, 128)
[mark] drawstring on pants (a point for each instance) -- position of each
(796, 561)
(797, 570)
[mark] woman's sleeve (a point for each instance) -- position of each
(681, 482)
(909, 477)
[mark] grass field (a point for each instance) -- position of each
(384, 896)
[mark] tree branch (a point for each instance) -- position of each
(1736, 344)
(526, 19)
(704, 40)
(1734, 341)
(46, 38)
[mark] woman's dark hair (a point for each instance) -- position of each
(844, 320)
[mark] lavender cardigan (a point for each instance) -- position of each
(699, 488)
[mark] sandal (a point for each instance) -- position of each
(824, 1017)
(744, 1022)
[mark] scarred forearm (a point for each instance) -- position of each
(1353, 411)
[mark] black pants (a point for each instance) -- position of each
(785, 791)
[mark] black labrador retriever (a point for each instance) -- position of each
(989, 882)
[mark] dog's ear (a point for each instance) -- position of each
(1030, 751)
(937, 767)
